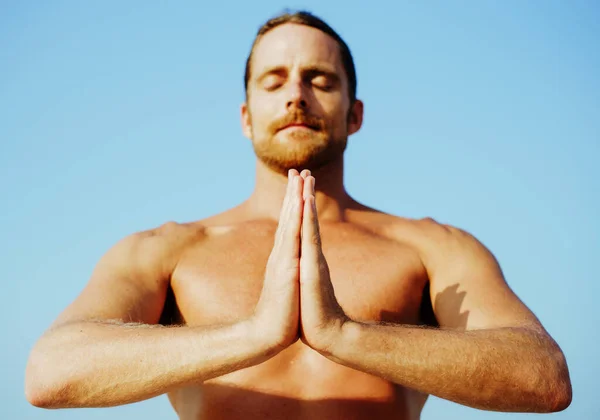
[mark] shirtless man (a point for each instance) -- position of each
(300, 303)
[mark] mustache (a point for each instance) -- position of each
(297, 117)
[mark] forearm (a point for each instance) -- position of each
(92, 364)
(508, 369)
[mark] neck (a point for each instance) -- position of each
(269, 191)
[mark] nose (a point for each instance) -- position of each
(297, 96)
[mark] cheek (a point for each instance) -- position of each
(337, 112)
(256, 119)
(339, 122)
(261, 113)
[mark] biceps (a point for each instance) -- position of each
(118, 299)
(121, 288)
(471, 293)
(468, 289)
(473, 304)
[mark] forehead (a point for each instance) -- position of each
(296, 45)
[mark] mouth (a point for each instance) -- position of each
(298, 125)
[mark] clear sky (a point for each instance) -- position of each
(118, 116)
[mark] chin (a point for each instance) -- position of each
(298, 151)
(282, 163)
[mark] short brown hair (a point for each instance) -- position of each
(307, 19)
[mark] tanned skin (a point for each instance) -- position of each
(300, 303)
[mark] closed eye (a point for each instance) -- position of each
(272, 82)
(322, 82)
(321, 78)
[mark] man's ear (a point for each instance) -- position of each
(355, 117)
(246, 120)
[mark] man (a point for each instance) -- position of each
(300, 302)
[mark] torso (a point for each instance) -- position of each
(377, 277)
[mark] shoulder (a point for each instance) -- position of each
(452, 257)
(438, 242)
(166, 236)
(432, 232)
(448, 238)
(418, 231)
(159, 247)
(428, 232)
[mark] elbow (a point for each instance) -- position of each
(557, 398)
(561, 393)
(37, 396)
(43, 389)
(36, 392)
(556, 390)
(44, 393)
(561, 401)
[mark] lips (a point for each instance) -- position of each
(297, 119)
(298, 125)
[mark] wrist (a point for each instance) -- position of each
(267, 343)
(342, 336)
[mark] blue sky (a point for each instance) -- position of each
(119, 116)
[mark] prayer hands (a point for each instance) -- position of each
(298, 300)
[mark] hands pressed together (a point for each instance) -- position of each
(298, 300)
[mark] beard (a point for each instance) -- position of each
(299, 149)
(302, 151)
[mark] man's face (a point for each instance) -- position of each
(298, 113)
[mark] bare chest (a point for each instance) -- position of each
(375, 279)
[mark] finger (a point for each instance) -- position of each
(283, 213)
(309, 188)
(287, 192)
(311, 237)
(306, 192)
(292, 220)
(305, 173)
(286, 208)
